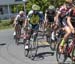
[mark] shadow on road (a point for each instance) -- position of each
(68, 62)
(41, 56)
(2, 44)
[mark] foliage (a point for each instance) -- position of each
(0, 20)
(59, 2)
(5, 24)
(16, 8)
(43, 3)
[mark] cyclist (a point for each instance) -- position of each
(19, 22)
(34, 18)
(63, 16)
(49, 17)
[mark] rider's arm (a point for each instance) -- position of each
(26, 22)
(69, 22)
(15, 20)
(46, 16)
(56, 18)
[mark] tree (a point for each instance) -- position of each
(43, 3)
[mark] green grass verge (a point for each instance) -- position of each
(5, 24)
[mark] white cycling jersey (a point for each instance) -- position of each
(20, 18)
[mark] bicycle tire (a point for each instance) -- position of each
(53, 45)
(26, 51)
(17, 40)
(33, 49)
(58, 55)
(73, 55)
(16, 37)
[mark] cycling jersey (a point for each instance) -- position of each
(34, 18)
(20, 19)
(64, 12)
(50, 15)
(41, 16)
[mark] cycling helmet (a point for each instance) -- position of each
(21, 12)
(35, 7)
(68, 1)
(51, 7)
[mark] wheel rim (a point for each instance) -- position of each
(61, 58)
(33, 49)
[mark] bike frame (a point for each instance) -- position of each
(71, 47)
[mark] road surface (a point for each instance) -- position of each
(10, 53)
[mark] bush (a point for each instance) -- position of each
(5, 24)
(0, 20)
(12, 20)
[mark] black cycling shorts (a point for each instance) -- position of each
(63, 22)
(50, 19)
(20, 23)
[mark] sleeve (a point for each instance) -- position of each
(41, 15)
(29, 14)
(60, 9)
(69, 13)
(17, 17)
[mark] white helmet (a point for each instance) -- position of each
(51, 7)
(21, 12)
(35, 7)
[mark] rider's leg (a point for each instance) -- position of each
(36, 28)
(18, 29)
(14, 31)
(68, 32)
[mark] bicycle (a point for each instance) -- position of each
(69, 49)
(31, 42)
(49, 37)
(18, 33)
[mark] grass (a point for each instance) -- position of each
(5, 24)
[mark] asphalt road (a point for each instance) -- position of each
(10, 53)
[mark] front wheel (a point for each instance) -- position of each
(53, 45)
(18, 34)
(73, 54)
(33, 48)
(26, 47)
(61, 58)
